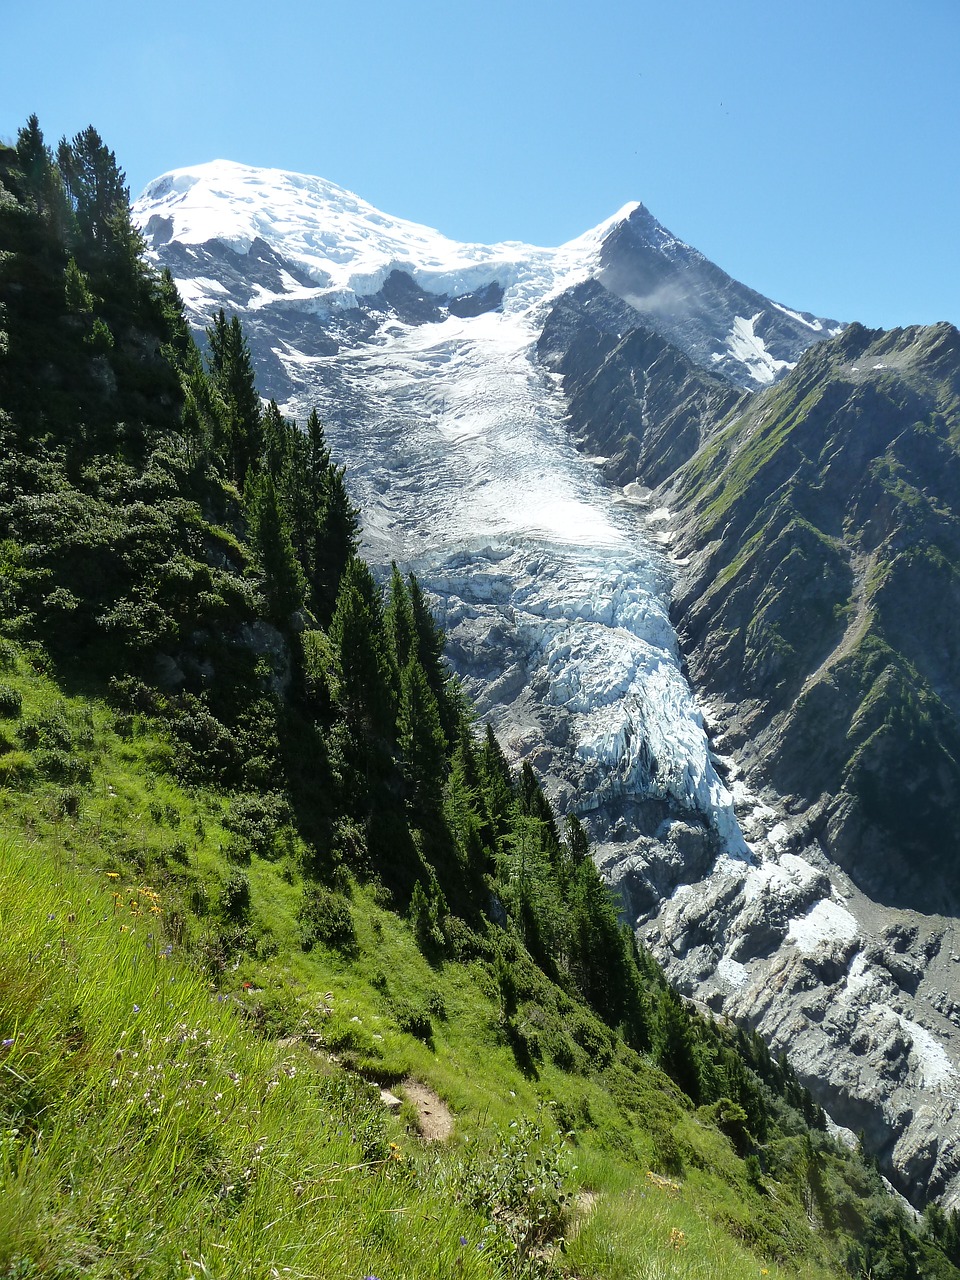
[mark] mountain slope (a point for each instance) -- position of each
(838, 489)
(452, 378)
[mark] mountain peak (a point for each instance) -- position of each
(331, 249)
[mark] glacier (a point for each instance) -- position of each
(461, 464)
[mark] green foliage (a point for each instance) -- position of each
(325, 917)
(285, 586)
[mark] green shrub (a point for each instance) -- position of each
(11, 703)
(235, 897)
(413, 1018)
(325, 917)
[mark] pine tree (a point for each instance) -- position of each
(44, 181)
(359, 639)
(674, 1044)
(338, 539)
(465, 811)
(108, 243)
(231, 370)
(400, 622)
(277, 444)
(430, 640)
(497, 785)
(578, 845)
(284, 583)
(420, 739)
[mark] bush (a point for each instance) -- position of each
(413, 1018)
(235, 898)
(11, 703)
(256, 820)
(326, 917)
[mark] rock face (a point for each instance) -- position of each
(635, 399)
(791, 857)
(820, 601)
(721, 324)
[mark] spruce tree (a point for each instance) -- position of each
(420, 739)
(96, 185)
(284, 583)
(430, 652)
(360, 643)
(231, 370)
(44, 181)
(338, 539)
(400, 622)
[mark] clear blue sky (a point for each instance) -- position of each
(811, 149)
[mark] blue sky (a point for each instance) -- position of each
(812, 150)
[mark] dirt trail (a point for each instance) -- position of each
(434, 1117)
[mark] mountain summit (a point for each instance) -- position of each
(290, 245)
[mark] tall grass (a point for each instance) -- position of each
(145, 1133)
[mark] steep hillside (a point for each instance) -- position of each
(820, 600)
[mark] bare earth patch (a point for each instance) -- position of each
(433, 1115)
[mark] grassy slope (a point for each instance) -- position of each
(156, 1134)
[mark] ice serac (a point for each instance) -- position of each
(457, 382)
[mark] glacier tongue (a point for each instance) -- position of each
(460, 461)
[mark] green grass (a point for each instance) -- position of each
(185, 1094)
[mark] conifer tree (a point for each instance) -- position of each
(232, 372)
(338, 539)
(400, 622)
(284, 583)
(420, 738)
(108, 245)
(44, 181)
(430, 652)
(463, 805)
(277, 444)
(674, 1044)
(359, 638)
(498, 788)
(577, 843)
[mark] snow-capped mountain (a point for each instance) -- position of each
(292, 246)
(455, 381)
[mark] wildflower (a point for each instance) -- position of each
(463, 1242)
(136, 1008)
(678, 1239)
(6, 1044)
(113, 875)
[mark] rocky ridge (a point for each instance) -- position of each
(812, 531)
